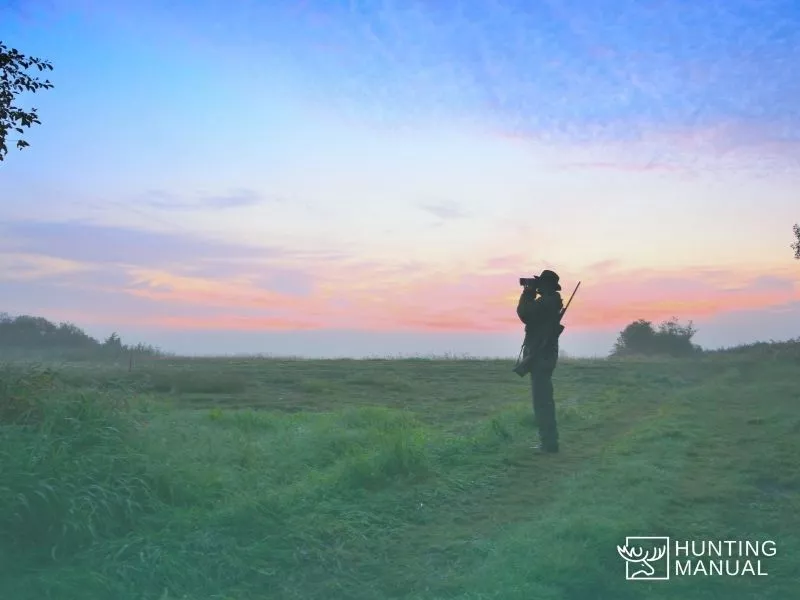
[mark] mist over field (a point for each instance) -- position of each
(721, 333)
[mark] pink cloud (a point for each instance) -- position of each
(476, 295)
(475, 302)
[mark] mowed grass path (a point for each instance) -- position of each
(247, 479)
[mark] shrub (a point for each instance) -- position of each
(670, 339)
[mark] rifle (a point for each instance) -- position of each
(524, 366)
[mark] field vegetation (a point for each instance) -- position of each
(253, 478)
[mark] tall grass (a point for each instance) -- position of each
(83, 468)
(69, 474)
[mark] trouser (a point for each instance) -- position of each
(544, 407)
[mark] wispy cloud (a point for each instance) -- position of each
(740, 145)
(239, 199)
(29, 267)
(91, 243)
(650, 166)
(445, 210)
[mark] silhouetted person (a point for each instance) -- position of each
(540, 315)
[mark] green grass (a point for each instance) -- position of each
(240, 479)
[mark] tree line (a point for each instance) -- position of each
(27, 333)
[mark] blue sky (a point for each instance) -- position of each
(249, 176)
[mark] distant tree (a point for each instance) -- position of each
(670, 339)
(796, 244)
(113, 341)
(637, 338)
(14, 80)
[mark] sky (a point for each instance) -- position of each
(354, 178)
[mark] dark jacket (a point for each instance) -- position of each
(540, 315)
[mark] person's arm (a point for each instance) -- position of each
(532, 311)
(529, 307)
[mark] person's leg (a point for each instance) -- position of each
(544, 408)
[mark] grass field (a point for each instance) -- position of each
(263, 478)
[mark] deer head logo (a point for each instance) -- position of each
(640, 560)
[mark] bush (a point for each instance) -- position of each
(670, 339)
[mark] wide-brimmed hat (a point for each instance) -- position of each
(552, 277)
